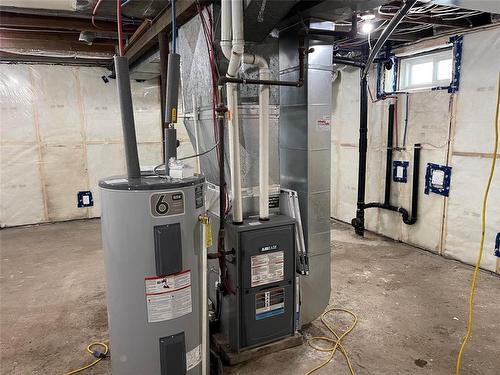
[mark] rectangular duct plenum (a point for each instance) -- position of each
(305, 144)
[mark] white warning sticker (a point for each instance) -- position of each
(168, 297)
(323, 124)
(193, 358)
(267, 268)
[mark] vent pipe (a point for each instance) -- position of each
(232, 19)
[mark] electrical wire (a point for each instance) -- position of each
(94, 11)
(481, 243)
(201, 153)
(155, 169)
(334, 341)
(99, 355)
(119, 25)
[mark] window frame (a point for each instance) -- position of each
(395, 74)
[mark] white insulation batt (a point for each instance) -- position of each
(61, 133)
(455, 127)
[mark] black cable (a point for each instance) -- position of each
(200, 154)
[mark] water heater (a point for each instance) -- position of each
(153, 246)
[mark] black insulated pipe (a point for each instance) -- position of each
(127, 115)
(172, 90)
(171, 102)
(163, 45)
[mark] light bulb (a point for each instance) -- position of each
(367, 27)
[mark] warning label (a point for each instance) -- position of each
(267, 268)
(168, 297)
(323, 124)
(269, 303)
(193, 358)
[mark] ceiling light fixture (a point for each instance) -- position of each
(367, 27)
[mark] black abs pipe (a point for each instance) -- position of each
(127, 115)
(408, 219)
(346, 61)
(405, 215)
(388, 161)
(359, 221)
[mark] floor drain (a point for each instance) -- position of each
(420, 362)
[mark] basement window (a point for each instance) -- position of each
(426, 71)
(435, 69)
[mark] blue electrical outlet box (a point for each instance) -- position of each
(497, 245)
(437, 179)
(85, 199)
(400, 171)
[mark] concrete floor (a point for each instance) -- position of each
(411, 305)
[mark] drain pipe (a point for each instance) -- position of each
(232, 51)
(407, 218)
(359, 221)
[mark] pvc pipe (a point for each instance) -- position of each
(225, 42)
(237, 21)
(264, 146)
(236, 58)
(234, 151)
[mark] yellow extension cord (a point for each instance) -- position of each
(89, 349)
(334, 341)
(481, 246)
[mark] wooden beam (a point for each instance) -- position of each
(18, 58)
(59, 44)
(9, 19)
(185, 10)
(52, 36)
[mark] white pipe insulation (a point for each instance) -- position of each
(232, 20)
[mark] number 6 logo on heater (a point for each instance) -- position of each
(161, 205)
(167, 203)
